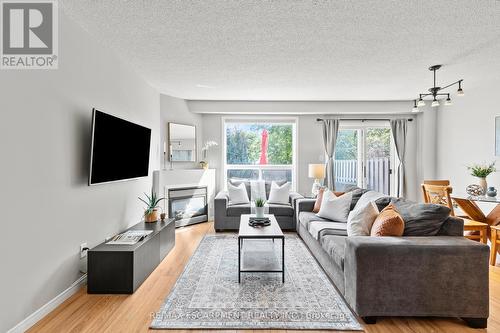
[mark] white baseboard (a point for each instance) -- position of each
(33, 318)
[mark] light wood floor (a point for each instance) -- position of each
(132, 313)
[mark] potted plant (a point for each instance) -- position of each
(259, 207)
(151, 209)
(204, 153)
(481, 171)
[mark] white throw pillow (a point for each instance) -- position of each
(366, 198)
(335, 208)
(360, 220)
(237, 194)
(279, 194)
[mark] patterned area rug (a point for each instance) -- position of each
(207, 295)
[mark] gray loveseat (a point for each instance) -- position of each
(227, 215)
(444, 275)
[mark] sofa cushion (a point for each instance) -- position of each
(307, 217)
(237, 210)
(276, 209)
(318, 228)
(335, 247)
(281, 209)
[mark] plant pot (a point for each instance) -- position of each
(483, 184)
(151, 217)
(259, 212)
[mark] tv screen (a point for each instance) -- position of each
(120, 149)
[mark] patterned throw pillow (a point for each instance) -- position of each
(388, 223)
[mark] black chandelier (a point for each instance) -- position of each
(435, 91)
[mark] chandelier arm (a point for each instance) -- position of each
(451, 84)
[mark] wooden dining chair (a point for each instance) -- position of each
(495, 241)
(441, 195)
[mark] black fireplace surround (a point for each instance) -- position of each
(188, 205)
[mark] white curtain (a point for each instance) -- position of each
(330, 131)
(399, 129)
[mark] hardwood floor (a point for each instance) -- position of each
(132, 313)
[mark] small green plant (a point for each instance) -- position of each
(482, 170)
(259, 202)
(151, 202)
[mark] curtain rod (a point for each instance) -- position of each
(364, 119)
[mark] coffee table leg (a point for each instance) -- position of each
(283, 258)
(239, 260)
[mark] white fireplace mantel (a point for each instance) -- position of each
(163, 180)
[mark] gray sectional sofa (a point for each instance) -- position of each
(445, 275)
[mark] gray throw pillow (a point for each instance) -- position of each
(421, 219)
(356, 195)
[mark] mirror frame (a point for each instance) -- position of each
(170, 143)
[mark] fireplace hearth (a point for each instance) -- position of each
(188, 205)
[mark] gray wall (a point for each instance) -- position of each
(467, 134)
(47, 208)
(176, 110)
(310, 142)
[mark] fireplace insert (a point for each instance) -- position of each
(188, 205)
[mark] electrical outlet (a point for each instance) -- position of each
(83, 250)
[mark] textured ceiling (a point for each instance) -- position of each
(298, 50)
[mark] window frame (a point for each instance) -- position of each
(362, 126)
(294, 121)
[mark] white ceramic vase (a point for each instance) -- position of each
(259, 212)
(483, 184)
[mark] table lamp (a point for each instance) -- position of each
(316, 171)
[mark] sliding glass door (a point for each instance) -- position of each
(364, 156)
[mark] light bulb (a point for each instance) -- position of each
(448, 102)
(421, 102)
(460, 92)
(435, 103)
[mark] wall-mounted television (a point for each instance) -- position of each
(120, 149)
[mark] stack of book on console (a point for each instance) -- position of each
(259, 221)
(129, 237)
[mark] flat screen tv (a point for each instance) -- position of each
(120, 149)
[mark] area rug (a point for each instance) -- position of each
(207, 295)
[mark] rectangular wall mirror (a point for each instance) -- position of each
(182, 142)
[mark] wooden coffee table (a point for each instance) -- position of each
(272, 232)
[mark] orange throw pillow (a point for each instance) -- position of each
(388, 223)
(319, 198)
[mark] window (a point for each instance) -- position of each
(260, 150)
(364, 156)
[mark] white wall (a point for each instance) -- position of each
(310, 141)
(176, 110)
(47, 208)
(466, 134)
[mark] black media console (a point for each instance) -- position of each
(121, 269)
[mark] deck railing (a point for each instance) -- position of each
(378, 173)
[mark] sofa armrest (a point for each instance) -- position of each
(293, 197)
(417, 276)
(220, 204)
(304, 205)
